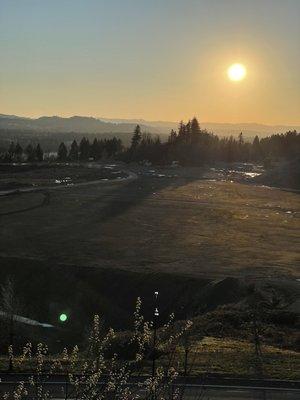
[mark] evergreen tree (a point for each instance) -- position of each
(84, 149)
(62, 152)
(113, 146)
(11, 150)
(117, 146)
(30, 153)
(18, 152)
(188, 132)
(39, 154)
(241, 139)
(173, 136)
(181, 131)
(136, 138)
(231, 150)
(195, 128)
(96, 149)
(157, 141)
(74, 150)
(256, 149)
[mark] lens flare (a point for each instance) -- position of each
(63, 317)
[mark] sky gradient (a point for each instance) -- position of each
(151, 59)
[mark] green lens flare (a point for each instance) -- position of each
(63, 317)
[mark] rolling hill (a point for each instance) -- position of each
(81, 124)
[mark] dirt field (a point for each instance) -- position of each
(44, 175)
(180, 220)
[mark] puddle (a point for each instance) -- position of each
(67, 179)
(244, 173)
(266, 187)
(252, 174)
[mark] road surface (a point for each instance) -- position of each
(234, 389)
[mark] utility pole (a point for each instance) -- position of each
(155, 318)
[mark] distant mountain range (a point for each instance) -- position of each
(85, 125)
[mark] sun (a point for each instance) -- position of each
(236, 72)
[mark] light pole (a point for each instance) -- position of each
(155, 318)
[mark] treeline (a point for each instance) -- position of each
(97, 150)
(16, 153)
(189, 145)
(84, 151)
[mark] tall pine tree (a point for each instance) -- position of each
(62, 152)
(30, 153)
(84, 149)
(39, 154)
(74, 151)
(136, 138)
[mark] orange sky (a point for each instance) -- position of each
(157, 61)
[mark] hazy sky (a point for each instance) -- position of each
(152, 59)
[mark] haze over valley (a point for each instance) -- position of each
(81, 124)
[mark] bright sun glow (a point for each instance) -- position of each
(236, 72)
